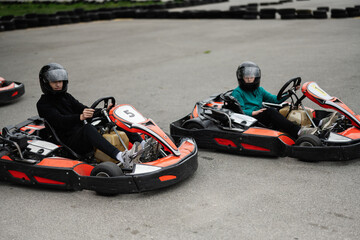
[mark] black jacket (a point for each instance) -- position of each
(62, 112)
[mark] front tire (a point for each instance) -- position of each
(308, 140)
(106, 169)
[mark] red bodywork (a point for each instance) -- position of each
(144, 125)
(39, 168)
(312, 91)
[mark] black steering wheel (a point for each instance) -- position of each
(231, 102)
(106, 101)
(286, 90)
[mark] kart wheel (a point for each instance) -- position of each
(308, 140)
(106, 169)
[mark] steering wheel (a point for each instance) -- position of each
(106, 101)
(286, 90)
(231, 102)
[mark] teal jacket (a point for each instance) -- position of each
(252, 100)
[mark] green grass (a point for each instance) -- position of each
(20, 9)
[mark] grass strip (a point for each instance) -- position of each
(20, 9)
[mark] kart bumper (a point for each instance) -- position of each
(136, 183)
(231, 141)
(12, 94)
(326, 153)
(76, 175)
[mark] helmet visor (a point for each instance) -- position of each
(251, 72)
(56, 75)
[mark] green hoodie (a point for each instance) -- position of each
(252, 100)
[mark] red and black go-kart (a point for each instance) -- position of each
(219, 123)
(10, 90)
(32, 154)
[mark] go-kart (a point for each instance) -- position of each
(10, 90)
(32, 154)
(219, 123)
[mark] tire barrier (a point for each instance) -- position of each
(287, 13)
(248, 11)
(320, 14)
(338, 13)
(11, 22)
(304, 14)
(268, 13)
(353, 11)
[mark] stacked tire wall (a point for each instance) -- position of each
(249, 11)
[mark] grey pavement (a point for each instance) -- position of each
(162, 67)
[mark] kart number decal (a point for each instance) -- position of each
(129, 114)
(314, 89)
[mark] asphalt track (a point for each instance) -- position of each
(162, 67)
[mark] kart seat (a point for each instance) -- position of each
(51, 136)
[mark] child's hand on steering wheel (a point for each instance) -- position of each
(109, 107)
(87, 113)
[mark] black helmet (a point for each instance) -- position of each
(247, 69)
(50, 73)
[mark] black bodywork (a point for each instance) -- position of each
(212, 119)
(11, 94)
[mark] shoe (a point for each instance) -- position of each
(327, 122)
(151, 150)
(307, 130)
(132, 156)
